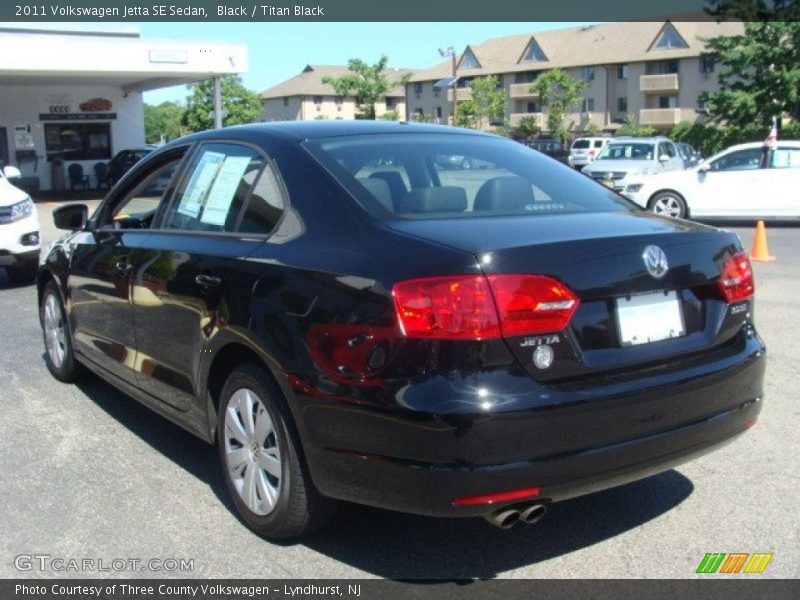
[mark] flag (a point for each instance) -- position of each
(772, 138)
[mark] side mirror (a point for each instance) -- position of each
(71, 217)
(663, 158)
(12, 172)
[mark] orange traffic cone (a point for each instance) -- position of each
(760, 251)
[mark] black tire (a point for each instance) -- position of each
(25, 272)
(669, 203)
(69, 370)
(298, 507)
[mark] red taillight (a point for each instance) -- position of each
(530, 304)
(451, 308)
(591, 152)
(475, 307)
(498, 497)
(736, 282)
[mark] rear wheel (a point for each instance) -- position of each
(24, 272)
(668, 204)
(59, 356)
(260, 459)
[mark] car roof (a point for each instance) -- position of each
(648, 140)
(306, 130)
(791, 143)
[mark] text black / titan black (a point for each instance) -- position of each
(419, 318)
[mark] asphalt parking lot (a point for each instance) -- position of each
(89, 473)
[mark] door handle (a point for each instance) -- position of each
(122, 268)
(207, 282)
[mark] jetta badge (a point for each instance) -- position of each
(656, 261)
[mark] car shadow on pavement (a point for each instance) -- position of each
(400, 546)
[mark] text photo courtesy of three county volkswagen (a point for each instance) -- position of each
(291, 318)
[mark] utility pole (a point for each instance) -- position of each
(451, 52)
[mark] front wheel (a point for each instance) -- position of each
(668, 204)
(260, 459)
(59, 355)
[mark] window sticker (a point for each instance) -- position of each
(197, 188)
(220, 198)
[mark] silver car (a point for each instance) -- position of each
(627, 159)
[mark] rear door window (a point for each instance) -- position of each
(226, 187)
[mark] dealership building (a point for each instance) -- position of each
(75, 95)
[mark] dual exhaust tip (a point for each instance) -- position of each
(506, 518)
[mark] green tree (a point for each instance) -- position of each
(486, 104)
(391, 115)
(527, 127)
(758, 10)
(630, 127)
(163, 120)
(368, 84)
(559, 93)
(241, 104)
(760, 74)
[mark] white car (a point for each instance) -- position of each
(584, 150)
(627, 160)
(744, 181)
(19, 230)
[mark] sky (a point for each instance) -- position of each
(278, 51)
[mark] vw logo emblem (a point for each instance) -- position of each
(656, 261)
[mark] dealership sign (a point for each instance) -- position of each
(62, 107)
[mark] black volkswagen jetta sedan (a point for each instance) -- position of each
(345, 319)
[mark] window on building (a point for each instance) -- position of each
(389, 102)
(669, 38)
(587, 105)
(317, 99)
(438, 112)
(622, 104)
(622, 71)
(707, 63)
(469, 60)
(533, 53)
(667, 102)
(587, 73)
(338, 101)
(78, 141)
(668, 67)
(286, 101)
(534, 107)
(417, 88)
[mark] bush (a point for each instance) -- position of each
(710, 139)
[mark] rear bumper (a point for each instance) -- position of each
(415, 462)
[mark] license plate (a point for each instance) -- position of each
(649, 318)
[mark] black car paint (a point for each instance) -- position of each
(402, 423)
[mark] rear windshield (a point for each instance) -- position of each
(580, 144)
(630, 151)
(445, 175)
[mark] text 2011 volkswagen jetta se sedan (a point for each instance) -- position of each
(346, 319)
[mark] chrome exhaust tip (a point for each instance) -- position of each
(532, 514)
(504, 519)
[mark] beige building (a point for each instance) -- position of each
(651, 70)
(304, 97)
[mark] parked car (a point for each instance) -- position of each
(585, 150)
(629, 159)
(690, 156)
(456, 161)
(551, 147)
(513, 338)
(19, 229)
(744, 181)
(124, 160)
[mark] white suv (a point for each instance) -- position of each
(585, 150)
(19, 230)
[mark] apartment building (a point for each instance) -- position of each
(305, 97)
(654, 71)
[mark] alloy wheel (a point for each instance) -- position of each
(55, 333)
(668, 206)
(252, 454)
